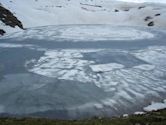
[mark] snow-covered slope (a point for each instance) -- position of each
(143, 1)
(34, 13)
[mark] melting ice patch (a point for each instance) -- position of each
(155, 55)
(11, 45)
(106, 67)
(145, 67)
(83, 33)
(148, 75)
(64, 64)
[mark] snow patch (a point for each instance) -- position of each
(125, 115)
(83, 12)
(139, 113)
(155, 106)
(142, 1)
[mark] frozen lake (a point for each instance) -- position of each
(81, 71)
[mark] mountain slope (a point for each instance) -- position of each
(34, 13)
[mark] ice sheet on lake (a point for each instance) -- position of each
(114, 77)
(106, 67)
(11, 45)
(83, 33)
(93, 80)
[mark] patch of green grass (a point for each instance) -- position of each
(152, 118)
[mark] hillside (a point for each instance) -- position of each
(34, 13)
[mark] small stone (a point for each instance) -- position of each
(2, 32)
(148, 18)
(116, 10)
(126, 10)
(158, 14)
(151, 23)
(141, 7)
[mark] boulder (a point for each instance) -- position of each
(2, 32)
